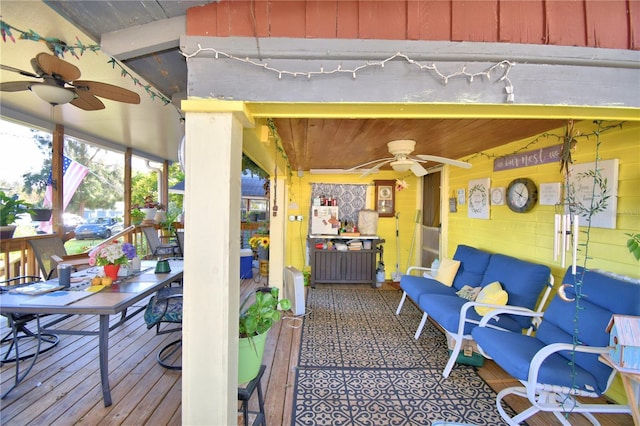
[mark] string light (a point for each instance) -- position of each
(502, 67)
(545, 136)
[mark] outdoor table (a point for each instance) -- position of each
(112, 300)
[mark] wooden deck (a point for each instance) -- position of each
(64, 386)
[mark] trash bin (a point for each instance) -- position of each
(246, 263)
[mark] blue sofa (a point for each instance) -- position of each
(546, 364)
(523, 281)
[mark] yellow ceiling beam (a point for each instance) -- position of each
(437, 110)
(250, 111)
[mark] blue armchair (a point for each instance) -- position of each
(559, 363)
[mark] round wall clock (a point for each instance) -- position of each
(522, 195)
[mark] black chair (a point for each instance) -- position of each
(165, 307)
(20, 332)
(156, 247)
(180, 240)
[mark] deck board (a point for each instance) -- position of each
(64, 386)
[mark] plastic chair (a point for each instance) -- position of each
(165, 307)
(155, 245)
(552, 369)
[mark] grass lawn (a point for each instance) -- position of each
(74, 246)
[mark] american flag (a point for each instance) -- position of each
(73, 174)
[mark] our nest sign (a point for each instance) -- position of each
(549, 154)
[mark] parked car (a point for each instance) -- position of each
(101, 227)
(71, 221)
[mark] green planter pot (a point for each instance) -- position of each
(250, 357)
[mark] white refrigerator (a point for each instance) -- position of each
(325, 220)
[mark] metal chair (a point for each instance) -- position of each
(180, 240)
(166, 307)
(155, 245)
(50, 251)
(20, 332)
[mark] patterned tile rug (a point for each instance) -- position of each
(360, 365)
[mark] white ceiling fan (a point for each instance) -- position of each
(403, 161)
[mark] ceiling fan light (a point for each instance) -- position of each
(55, 95)
(402, 165)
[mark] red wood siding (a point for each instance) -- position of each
(594, 23)
(634, 24)
(522, 22)
(474, 21)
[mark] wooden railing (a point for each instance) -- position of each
(17, 258)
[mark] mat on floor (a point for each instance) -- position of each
(360, 365)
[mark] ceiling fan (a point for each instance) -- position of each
(60, 85)
(403, 161)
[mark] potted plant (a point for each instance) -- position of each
(137, 215)
(40, 214)
(149, 208)
(11, 207)
(254, 324)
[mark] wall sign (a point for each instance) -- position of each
(594, 189)
(549, 154)
(549, 194)
(479, 198)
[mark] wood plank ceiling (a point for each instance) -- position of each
(345, 143)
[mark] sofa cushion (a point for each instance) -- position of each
(602, 297)
(416, 286)
(447, 271)
(445, 310)
(522, 280)
(492, 294)
(473, 263)
(514, 352)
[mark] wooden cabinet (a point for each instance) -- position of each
(331, 266)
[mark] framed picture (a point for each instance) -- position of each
(479, 198)
(592, 192)
(385, 197)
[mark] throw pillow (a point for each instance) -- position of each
(447, 271)
(468, 292)
(492, 294)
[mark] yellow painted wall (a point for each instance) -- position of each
(525, 235)
(530, 235)
(300, 196)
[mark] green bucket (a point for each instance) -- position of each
(250, 353)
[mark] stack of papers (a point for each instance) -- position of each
(37, 288)
(355, 245)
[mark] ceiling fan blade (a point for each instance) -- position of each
(53, 65)
(107, 91)
(418, 170)
(19, 71)
(375, 168)
(359, 166)
(15, 86)
(87, 101)
(445, 160)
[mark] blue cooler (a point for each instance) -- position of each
(246, 263)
